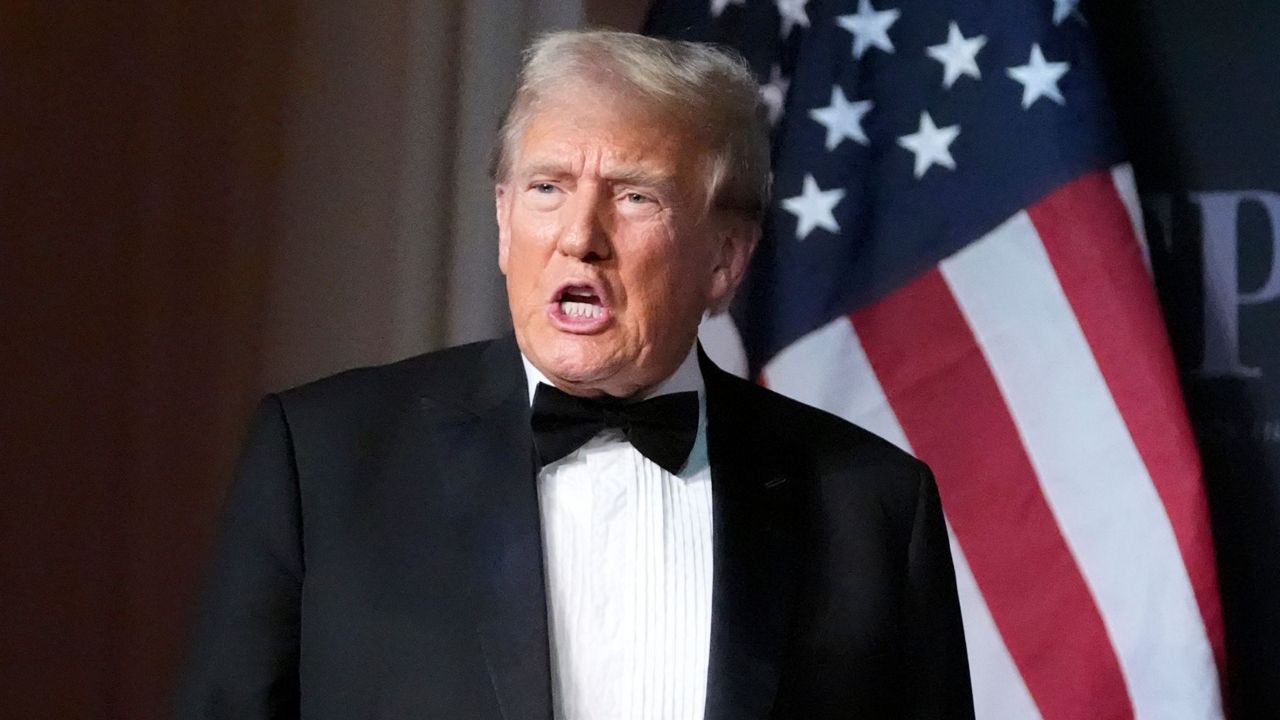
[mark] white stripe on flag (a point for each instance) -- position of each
(999, 692)
(723, 344)
(1127, 188)
(828, 369)
(1090, 471)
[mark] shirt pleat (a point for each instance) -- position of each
(628, 550)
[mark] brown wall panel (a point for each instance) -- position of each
(141, 142)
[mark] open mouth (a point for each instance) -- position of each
(579, 307)
(577, 301)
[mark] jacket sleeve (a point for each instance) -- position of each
(243, 660)
(936, 662)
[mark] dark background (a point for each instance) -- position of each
(141, 146)
(1196, 86)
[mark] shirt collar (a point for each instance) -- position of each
(687, 377)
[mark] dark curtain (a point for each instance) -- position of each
(140, 144)
(1196, 89)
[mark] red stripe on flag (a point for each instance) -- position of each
(949, 406)
(1091, 244)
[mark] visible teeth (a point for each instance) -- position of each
(577, 309)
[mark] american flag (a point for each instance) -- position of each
(953, 260)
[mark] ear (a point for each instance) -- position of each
(502, 209)
(736, 240)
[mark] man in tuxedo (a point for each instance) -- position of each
(586, 520)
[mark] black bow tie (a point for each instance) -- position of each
(662, 428)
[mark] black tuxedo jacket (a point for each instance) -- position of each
(381, 557)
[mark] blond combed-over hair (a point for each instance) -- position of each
(704, 88)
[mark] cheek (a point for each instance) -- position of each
(528, 251)
(671, 281)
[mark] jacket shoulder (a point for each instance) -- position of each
(336, 423)
(384, 386)
(781, 412)
(830, 447)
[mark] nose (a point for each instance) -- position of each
(586, 228)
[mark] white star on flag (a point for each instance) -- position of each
(1039, 78)
(870, 27)
(792, 14)
(958, 55)
(843, 119)
(1062, 10)
(931, 145)
(812, 208)
(774, 94)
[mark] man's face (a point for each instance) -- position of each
(609, 256)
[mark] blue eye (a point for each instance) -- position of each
(544, 187)
(637, 198)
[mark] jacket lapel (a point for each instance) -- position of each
(489, 427)
(485, 417)
(754, 554)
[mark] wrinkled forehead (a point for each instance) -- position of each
(589, 127)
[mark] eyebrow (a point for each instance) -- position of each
(636, 176)
(625, 175)
(546, 167)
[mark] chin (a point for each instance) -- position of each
(579, 364)
(566, 357)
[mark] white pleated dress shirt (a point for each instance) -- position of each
(627, 550)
